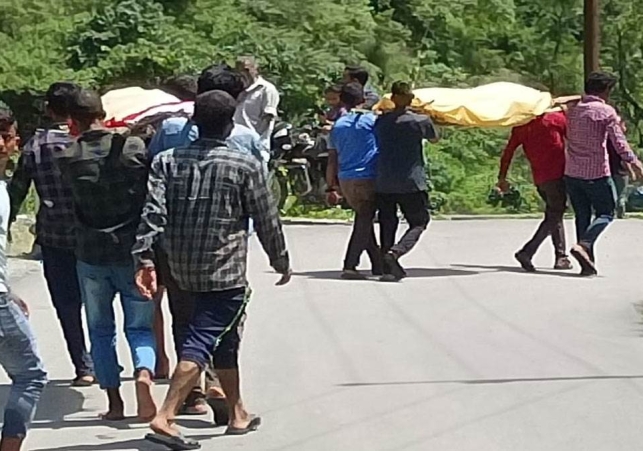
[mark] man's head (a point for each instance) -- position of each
(214, 114)
(182, 86)
(402, 94)
(86, 110)
(59, 98)
(355, 74)
(221, 78)
(248, 66)
(600, 84)
(9, 140)
(332, 94)
(352, 95)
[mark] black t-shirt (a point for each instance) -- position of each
(400, 136)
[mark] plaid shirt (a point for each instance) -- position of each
(55, 221)
(108, 187)
(589, 125)
(200, 198)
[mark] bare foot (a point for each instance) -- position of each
(215, 393)
(242, 422)
(146, 405)
(164, 427)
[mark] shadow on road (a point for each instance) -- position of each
(494, 381)
(137, 444)
(57, 401)
(413, 273)
(517, 270)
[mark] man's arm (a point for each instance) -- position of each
(260, 206)
(20, 184)
(270, 112)
(151, 226)
(429, 131)
(619, 141)
(515, 141)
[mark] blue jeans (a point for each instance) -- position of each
(19, 357)
(591, 197)
(99, 286)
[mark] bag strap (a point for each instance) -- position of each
(116, 150)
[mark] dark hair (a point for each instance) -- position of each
(357, 73)
(335, 89)
(401, 88)
(60, 96)
(87, 106)
(222, 77)
(600, 82)
(352, 95)
(7, 119)
(182, 86)
(213, 111)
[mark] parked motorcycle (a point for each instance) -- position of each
(298, 164)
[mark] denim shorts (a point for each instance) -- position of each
(215, 328)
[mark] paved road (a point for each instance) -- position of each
(467, 354)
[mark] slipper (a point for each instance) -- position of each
(254, 424)
(175, 443)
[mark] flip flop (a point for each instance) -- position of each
(175, 442)
(254, 424)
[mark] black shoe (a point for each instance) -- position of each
(393, 267)
(525, 261)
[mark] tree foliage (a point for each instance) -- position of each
(303, 46)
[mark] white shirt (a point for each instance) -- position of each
(5, 211)
(261, 99)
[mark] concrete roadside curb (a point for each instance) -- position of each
(313, 221)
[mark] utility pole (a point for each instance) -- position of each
(592, 36)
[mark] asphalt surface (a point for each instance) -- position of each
(468, 354)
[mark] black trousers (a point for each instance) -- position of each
(554, 194)
(59, 266)
(415, 208)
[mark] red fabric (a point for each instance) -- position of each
(543, 141)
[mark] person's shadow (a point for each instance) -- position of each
(517, 270)
(412, 273)
(58, 400)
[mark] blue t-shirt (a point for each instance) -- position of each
(180, 132)
(353, 136)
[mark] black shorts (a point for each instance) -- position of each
(215, 326)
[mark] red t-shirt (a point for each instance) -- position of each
(543, 141)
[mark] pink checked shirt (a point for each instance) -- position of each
(589, 125)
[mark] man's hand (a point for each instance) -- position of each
(20, 303)
(333, 198)
(637, 170)
(285, 278)
(146, 282)
(503, 185)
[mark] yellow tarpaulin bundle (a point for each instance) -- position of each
(494, 105)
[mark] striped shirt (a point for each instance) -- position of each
(199, 200)
(589, 126)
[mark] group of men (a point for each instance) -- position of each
(377, 164)
(121, 216)
(581, 154)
